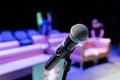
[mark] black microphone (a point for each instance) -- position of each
(78, 33)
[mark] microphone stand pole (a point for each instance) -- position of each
(66, 68)
(67, 65)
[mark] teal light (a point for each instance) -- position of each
(39, 72)
(39, 19)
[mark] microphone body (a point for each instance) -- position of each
(62, 51)
(78, 33)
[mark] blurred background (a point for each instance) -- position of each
(22, 15)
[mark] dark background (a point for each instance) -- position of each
(22, 14)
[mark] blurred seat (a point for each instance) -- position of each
(95, 49)
(7, 35)
(42, 40)
(22, 37)
(9, 45)
(119, 43)
(54, 40)
(1, 39)
(49, 43)
(13, 54)
(54, 31)
(18, 62)
(16, 69)
(58, 35)
(31, 32)
(76, 54)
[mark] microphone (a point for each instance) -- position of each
(78, 33)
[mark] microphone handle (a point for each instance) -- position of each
(52, 62)
(63, 50)
(57, 56)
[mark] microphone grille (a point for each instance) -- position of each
(79, 32)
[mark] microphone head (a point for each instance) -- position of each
(79, 32)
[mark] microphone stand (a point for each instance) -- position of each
(66, 68)
(67, 65)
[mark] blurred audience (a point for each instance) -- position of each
(49, 20)
(39, 17)
(50, 24)
(47, 26)
(97, 30)
(47, 29)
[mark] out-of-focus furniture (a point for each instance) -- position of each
(16, 69)
(17, 62)
(94, 49)
(54, 40)
(1, 39)
(32, 32)
(7, 35)
(119, 44)
(41, 40)
(54, 31)
(9, 55)
(22, 37)
(9, 45)
(76, 54)
(58, 35)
